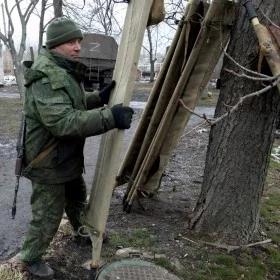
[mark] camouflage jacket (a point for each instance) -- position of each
(58, 111)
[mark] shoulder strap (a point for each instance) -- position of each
(41, 156)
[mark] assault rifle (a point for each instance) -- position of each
(19, 161)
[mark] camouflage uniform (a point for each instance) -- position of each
(57, 111)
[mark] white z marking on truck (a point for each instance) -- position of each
(94, 47)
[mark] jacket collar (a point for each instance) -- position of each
(56, 68)
(73, 67)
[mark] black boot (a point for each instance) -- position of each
(38, 268)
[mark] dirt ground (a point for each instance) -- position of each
(158, 226)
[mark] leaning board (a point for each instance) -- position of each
(111, 144)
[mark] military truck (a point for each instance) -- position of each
(98, 53)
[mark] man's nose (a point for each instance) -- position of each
(77, 46)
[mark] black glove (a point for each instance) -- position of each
(122, 115)
(104, 94)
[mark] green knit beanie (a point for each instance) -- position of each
(62, 30)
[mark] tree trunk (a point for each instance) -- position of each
(41, 24)
(240, 145)
(1, 66)
(151, 55)
(18, 70)
(57, 6)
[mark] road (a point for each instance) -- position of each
(12, 231)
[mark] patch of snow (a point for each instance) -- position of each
(137, 104)
(275, 154)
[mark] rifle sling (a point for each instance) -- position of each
(41, 155)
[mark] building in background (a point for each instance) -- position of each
(145, 71)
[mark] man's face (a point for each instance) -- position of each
(70, 49)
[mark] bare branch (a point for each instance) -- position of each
(244, 68)
(3, 38)
(242, 99)
(27, 15)
(195, 128)
(231, 248)
(268, 19)
(243, 75)
(233, 108)
(10, 21)
(194, 113)
(146, 49)
(21, 17)
(30, 8)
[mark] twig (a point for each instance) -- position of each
(235, 107)
(226, 105)
(231, 248)
(243, 75)
(191, 241)
(191, 111)
(268, 19)
(242, 99)
(244, 68)
(194, 128)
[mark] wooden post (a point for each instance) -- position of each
(269, 49)
(268, 46)
(111, 143)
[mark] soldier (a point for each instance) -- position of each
(59, 116)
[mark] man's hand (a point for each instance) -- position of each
(104, 94)
(122, 115)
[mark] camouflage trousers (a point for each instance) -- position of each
(48, 203)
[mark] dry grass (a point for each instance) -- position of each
(6, 273)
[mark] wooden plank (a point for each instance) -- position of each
(131, 156)
(269, 48)
(217, 38)
(216, 13)
(159, 97)
(111, 144)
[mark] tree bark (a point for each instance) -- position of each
(41, 24)
(240, 145)
(7, 38)
(1, 65)
(57, 6)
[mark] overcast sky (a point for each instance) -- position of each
(33, 24)
(164, 34)
(32, 27)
